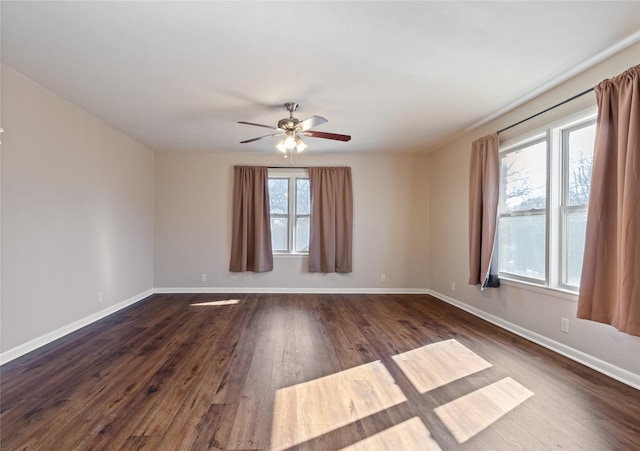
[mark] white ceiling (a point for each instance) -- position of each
(397, 76)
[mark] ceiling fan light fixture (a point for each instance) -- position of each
(281, 146)
(290, 140)
(300, 145)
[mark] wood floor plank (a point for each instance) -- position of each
(306, 371)
(193, 414)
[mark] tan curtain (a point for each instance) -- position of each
(331, 234)
(251, 233)
(610, 282)
(484, 187)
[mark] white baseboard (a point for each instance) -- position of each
(620, 374)
(230, 290)
(615, 372)
(47, 338)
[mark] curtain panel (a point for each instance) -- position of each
(484, 190)
(331, 230)
(251, 229)
(610, 282)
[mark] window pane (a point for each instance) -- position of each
(522, 246)
(574, 246)
(302, 234)
(303, 198)
(523, 175)
(279, 196)
(580, 146)
(279, 232)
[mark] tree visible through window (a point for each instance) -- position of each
(578, 152)
(522, 243)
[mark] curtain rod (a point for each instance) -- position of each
(287, 167)
(548, 109)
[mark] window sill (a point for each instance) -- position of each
(548, 291)
(288, 255)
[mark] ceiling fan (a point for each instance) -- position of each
(291, 129)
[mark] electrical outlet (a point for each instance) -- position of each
(383, 277)
(453, 286)
(564, 325)
(99, 297)
(203, 277)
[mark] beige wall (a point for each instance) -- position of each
(86, 209)
(77, 213)
(534, 311)
(193, 223)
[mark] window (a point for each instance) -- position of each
(577, 162)
(290, 207)
(544, 191)
(523, 200)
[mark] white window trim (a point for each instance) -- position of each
(563, 198)
(516, 145)
(552, 285)
(292, 174)
(547, 291)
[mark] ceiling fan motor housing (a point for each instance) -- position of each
(289, 123)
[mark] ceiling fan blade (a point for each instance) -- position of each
(259, 125)
(325, 135)
(259, 137)
(313, 121)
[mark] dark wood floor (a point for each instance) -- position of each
(275, 371)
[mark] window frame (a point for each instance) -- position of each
(557, 210)
(564, 207)
(504, 213)
(292, 176)
(297, 215)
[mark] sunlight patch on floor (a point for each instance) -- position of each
(216, 303)
(331, 405)
(410, 434)
(468, 415)
(438, 364)
(312, 409)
